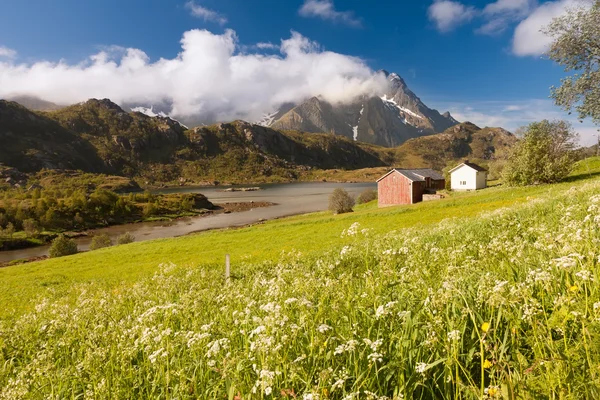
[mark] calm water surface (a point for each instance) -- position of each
(291, 199)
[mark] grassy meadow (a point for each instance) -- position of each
(488, 295)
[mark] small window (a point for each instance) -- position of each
(463, 183)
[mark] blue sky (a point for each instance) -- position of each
(480, 59)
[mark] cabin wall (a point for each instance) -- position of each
(394, 189)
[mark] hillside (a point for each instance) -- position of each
(465, 140)
(31, 142)
(388, 119)
(335, 309)
(99, 136)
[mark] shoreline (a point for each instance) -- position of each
(223, 208)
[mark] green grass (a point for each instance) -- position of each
(21, 286)
(501, 302)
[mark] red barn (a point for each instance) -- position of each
(407, 186)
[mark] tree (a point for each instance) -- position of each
(340, 201)
(576, 47)
(545, 154)
(31, 227)
(62, 246)
(100, 241)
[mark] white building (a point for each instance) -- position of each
(468, 176)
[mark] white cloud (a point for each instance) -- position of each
(209, 78)
(266, 46)
(528, 39)
(325, 9)
(447, 14)
(512, 115)
(501, 13)
(5, 52)
(205, 13)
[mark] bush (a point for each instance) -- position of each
(31, 227)
(62, 246)
(100, 241)
(340, 202)
(544, 154)
(367, 196)
(126, 238)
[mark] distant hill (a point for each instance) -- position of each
(465, 140)
(35, 103)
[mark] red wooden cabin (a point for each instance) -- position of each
(407, 186)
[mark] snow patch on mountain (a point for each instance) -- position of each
(268, 119)
(149, 112)
(406, 110)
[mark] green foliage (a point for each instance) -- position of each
(100, 241)
(62, 246)
(576, 47)
(125, 238)
(486, 307)
(366, 196)
(341, 202)
(544, 154)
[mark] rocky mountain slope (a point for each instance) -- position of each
(99, 136)
(30, 142)
(387, 120)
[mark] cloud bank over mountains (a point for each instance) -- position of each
(212, 76)
(529, 16)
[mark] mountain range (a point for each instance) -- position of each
(386, 119)
(99, 136)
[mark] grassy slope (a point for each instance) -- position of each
(20, 286)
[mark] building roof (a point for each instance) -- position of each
(416, 175)
(470, 165)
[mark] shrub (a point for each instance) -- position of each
(340, 201)
(544, 154)
(100, 241)
(62, 246)
(31, 227)
(367, 196)
(126, 238)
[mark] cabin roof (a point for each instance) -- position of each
(470, 165)
(416, 174)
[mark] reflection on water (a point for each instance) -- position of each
(291, 198)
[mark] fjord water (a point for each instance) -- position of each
(290, 199)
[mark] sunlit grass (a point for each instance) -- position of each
(501, 302)
(20, 286)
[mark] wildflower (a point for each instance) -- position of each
(485, 327)
(492, 391)
(487, 364)
(454, 336)
(573, 288)
(421, 368)
(585, 275)
(268, 390)
(323, 328)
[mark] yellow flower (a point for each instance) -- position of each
(487, 364)
(573, 288)
(492, 391)
(485, 327)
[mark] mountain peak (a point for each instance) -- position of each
(104, 103)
